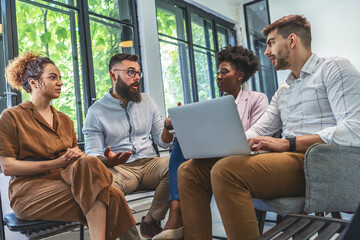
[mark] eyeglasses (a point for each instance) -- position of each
(131, 73)
(223, 72)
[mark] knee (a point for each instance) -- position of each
(227, 170)
(89, 161)
(187, 172)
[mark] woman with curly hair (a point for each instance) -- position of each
(52, 179)
(236, 65)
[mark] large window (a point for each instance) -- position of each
(79, 36)
(189, 39)
(257, 18)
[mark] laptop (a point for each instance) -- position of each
(210, 129)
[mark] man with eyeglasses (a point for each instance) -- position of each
(120, 129)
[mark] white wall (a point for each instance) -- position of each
(150, 51)
(335, 26)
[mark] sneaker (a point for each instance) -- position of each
(149, 230)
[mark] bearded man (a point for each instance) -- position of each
(120, 129)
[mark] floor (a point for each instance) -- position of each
(139, 207)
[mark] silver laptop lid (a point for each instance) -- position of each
(209, 129)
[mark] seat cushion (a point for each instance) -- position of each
(280, 205)
(18, 225)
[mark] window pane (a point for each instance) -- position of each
(118, 9)
(205, 74)
(107, 39)
(53, 33)
(175, 72)
(170, 21)
(202, 32)
(223, 38)
(3, 98)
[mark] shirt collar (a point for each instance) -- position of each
(112, 99)
(308, 68)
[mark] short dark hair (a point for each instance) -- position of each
(292, 24)
(28, 65)
(241, 58)
(118, 58)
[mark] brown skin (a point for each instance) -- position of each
(229, 79)
(285, 53)
(41, 96)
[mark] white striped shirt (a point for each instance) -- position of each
(324, 100)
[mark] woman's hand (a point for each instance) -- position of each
(71, 155)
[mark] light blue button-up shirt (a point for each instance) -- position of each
(324, 100)
(133, 128)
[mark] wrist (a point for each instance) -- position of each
(168, 127)
(292, 143)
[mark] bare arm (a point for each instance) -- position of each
(166, 136)
(282, 144)
(14, 167)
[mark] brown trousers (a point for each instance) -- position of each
(146, 174)
(69, 194)
(234, 181)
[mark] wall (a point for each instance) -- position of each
(150, 44)
(335, 26)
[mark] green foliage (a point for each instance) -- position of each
(48, 33)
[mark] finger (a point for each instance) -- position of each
(107, 151)
(118, 155)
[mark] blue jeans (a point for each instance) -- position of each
(176, 159)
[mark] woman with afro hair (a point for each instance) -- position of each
(236, 65)
(51, 178)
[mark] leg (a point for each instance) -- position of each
(237, 179)
(195, 193)
(176, 159)
(96, 218)
(155, 176)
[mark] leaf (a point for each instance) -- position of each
(99, 48)
(61, 33)
(45, 38)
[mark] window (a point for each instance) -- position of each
(257, 18)
(189, 39)
(80, 37)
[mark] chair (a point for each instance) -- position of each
(300, 227)
(331, 175)
(28, 227)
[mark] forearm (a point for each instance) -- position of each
(305, 141)
(166, 136)
(13, 167)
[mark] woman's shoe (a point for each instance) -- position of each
(170, 234)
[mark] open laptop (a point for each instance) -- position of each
(210, 129)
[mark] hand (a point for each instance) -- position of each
(268, 144)
(71, 155)
(113, 159)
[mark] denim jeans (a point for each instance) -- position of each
(176, 159)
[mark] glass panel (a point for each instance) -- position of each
(170, 20)
(3, 103)
(202, 32)
(222, 35)
(118, 9)
(53, 33)
(175, 72)
(205, 74)
(107, 39)
(257, 19)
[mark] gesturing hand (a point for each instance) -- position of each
(268, 144)
(114, 159)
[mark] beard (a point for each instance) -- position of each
(125, 91)
(282, 59)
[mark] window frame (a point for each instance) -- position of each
(188, 10)
(10, 39)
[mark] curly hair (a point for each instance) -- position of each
(243, 59)
(20, 69)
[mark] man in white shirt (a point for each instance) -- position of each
(318, 103)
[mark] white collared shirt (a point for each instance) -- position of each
(324, 100)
